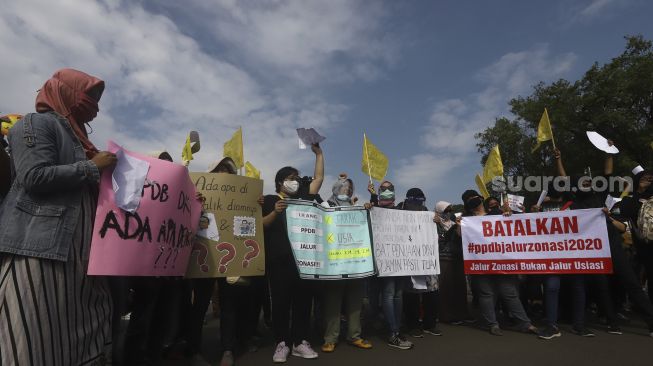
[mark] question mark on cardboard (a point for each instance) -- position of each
(227, 258)
(202, 253)
(253, 253)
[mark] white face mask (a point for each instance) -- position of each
(343, 197)
(291, 186)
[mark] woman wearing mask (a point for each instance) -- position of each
(289, 293)
(426, 300)
(392, 287)
(490, 287)
(452, 281)
(51, 312)
(351, 290)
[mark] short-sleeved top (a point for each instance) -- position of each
(277, 244)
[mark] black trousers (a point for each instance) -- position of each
(289, 295)
(202, 289)
(630, 282)
(153, 317)
(428, 302)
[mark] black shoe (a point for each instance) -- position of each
(549, 332)
(433, 331)
(416, 333)
(583, 332)
(495, 330)
(396, 342)
(613, 329)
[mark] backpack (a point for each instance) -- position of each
(645, 220)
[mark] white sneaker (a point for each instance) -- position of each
(281, 353)
(304, 350)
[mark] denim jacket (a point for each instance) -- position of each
(39, 215)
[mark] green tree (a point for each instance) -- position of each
(614, 99)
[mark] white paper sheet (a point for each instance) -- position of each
(211, 231)
(611, 201)
(516, 202)
(601, 142)
(542, 197)
(419, 282)
(128, 179)
(309, 136)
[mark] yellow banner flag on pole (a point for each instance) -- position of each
(493, 165)
(544, 131)
(234, 148)
(186, 152)
(375, 163)
(481, 187)
(251, 171)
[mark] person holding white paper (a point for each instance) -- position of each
(291, 296)
(47, 222)
(452, 299)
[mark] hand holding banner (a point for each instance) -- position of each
(239, 251)
(330, 243)
(405, 242)
(557, 242)
(156, 239)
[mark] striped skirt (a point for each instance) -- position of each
(51, 313)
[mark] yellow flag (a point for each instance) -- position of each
(481, 187)
(544, 132)
(493, 165)
(234, 148)
(186, 153)
(9, 121)
(251, 171)
(375, 163)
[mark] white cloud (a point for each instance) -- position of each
(595, 7)
(306, 41)
(449, 134)
(161, 82)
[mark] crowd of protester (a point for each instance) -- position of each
(52, 313)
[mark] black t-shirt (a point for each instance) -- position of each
(277, 244)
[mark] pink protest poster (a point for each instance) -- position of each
(157, 238)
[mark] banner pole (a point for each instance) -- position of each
(367, 156)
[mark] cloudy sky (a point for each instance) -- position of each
(419, 77)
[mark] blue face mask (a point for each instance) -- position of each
(343, 197)
(387, 194)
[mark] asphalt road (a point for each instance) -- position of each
(466, 345)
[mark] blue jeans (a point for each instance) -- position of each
(392, 302)
(551, 300)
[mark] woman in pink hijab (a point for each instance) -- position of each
(51, 312)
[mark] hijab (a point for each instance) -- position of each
(339, 187)
(75, 96)
(445, 220)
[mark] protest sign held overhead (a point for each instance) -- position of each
(405, 242)
(551, 242)
(156, 238)
(330, 243)
(237, 248)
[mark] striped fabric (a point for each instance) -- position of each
(51, 313)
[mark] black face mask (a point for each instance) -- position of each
(452, 216)
(495, 211)
(472, 203)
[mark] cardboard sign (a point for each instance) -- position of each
(237, 249)
(558, 242)
(157, 238)
(330, 243)
(405, 242)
